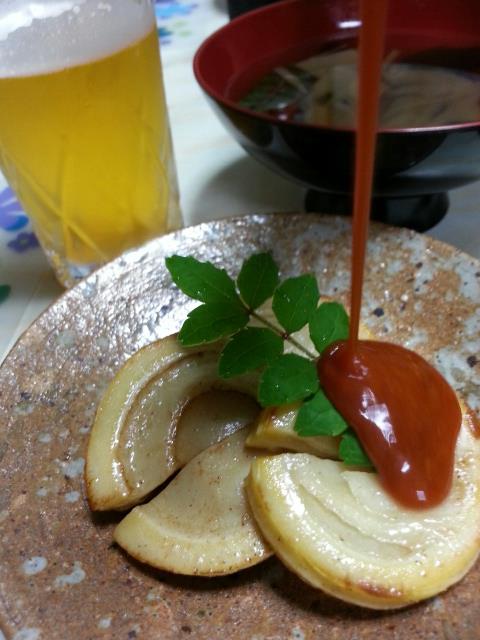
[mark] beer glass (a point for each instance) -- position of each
(84, 134)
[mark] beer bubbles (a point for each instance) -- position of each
(41, 37)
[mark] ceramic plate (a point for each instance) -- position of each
(61, 577)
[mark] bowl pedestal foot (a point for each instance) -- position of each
(413, 212)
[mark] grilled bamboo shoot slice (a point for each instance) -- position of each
(133, 446)
(340, 532)
(274, 431)
(201, 523)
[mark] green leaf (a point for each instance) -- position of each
(257, 279)
(288, 379)
(294, 301)
(351, 451)
(202, 280)
(4, 291)
(249, 349)
(318, 417)
(210, 322)
(328, 323)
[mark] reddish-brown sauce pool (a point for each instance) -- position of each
(404, 412)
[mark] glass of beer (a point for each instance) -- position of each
(84, 134)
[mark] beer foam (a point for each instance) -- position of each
(44, 36)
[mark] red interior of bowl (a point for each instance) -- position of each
(230, 61)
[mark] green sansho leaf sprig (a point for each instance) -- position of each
(232, 310)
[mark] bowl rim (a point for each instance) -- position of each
(234, 106)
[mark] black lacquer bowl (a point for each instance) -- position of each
(416, 167)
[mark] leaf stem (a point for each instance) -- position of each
(282, 334)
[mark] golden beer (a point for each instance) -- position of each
(86, 146)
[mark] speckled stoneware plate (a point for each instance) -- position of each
(60, 576)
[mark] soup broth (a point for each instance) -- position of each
(322, 90)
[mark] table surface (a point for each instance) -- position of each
(217, 179)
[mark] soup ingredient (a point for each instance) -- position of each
(201, 523)
(342, 533)
(323, 90)
(133, 446)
